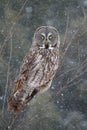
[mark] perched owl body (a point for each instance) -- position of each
(36, 74)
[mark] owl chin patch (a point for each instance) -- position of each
(47, 46)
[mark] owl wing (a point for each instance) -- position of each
(26, 66)
(27, 62)
(19, 97)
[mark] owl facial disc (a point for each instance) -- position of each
(46, 37)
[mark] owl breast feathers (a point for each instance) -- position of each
(37, 69)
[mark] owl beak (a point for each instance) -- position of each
(46, 44)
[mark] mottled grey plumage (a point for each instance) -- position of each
(37, 69)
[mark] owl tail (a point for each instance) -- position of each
(16, 105)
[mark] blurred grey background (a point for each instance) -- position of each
(64, 105)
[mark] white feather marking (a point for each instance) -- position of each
(16, 93)
(50, 47)
(42, 46)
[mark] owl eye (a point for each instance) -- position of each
(50, 37)
(42, 37)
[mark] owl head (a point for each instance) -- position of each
(46, 37)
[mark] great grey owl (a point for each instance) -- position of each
(38, 68)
